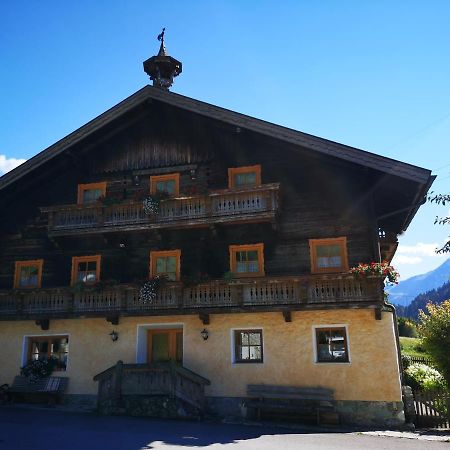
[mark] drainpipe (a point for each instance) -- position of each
(391, 308)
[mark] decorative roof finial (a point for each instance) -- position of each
(162, 68)
(162, 49)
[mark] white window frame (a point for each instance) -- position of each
(141, 337)
(314, 340)
(26, 343)
(235, 363)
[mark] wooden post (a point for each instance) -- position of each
(71, 303)
(123, 298)
(100, 216)
(238, 294)
(118, 374)
(50, 220)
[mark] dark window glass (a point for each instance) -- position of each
(247, 261)
(248, 346)
(87, 271)
(29, 276)
(55, 347)
(331, 345)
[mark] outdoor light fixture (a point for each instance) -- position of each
(204, 334)
(114, 335)
(193, 174)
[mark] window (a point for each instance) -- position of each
(28, 274)
(165, 263)
(90, 193)
(248, 346)
(244, 176)
(167, 184)
(85, 269)
(328, 255)
(247, 260)
(331, 344)
(45, 347)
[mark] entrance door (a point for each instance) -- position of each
(165, 345)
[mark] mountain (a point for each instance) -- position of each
(434, 296)
(404, 292)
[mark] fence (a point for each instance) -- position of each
(432, 409)
(419, 359)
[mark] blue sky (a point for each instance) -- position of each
(374, 75)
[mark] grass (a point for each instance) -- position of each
(411, 347)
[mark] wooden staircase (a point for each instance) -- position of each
(157, 390)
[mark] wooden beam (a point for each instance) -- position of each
(204, 318)
(377, 313)
(43, 323)
(113, 320)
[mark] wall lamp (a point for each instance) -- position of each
(205, 334)
(114, 335)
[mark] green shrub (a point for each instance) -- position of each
(423, 377)
(407, 327)
(434, 328)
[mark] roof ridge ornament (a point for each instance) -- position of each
(162, 68)
(162, 48)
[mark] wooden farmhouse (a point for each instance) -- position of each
(173, 249)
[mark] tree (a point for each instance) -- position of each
(434, 327)
(406, 327)
(441, 199)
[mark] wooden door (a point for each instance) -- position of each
(165, 345)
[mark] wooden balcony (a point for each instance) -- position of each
(255, 204)
(219, 296)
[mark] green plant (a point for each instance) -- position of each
(197, 278)
(434, 327)
(101, 285)
(407, 327)
(78, 287)
(422, 377)
(149, 290)
(39, 368)
(228, 275)
(152, 203)
(382, 269)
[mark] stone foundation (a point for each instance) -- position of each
(368, 414)
(361, 413)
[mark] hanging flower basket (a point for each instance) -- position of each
(151, 205)
(149, 290)
(383, 270)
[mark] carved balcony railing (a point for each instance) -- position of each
(258, 203)
(303, 292)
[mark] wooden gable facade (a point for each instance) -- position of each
(212, 242)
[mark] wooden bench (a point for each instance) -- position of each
(51, 388)
(305, 402)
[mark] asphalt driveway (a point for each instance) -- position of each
(47, 429)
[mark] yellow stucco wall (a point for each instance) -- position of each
(371, 375)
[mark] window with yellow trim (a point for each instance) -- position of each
(244, 176)
(165, 184)
(91, 192)
(328, 255)
(247, 260)
(165, 263)
(86, 269)
(28, 274)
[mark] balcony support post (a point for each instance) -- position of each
(204, 318)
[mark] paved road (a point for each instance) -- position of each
(43, 429)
